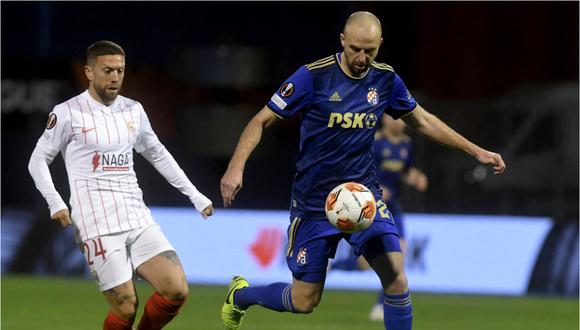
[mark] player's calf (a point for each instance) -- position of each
(123, 301)
(305, 301)
(158, 312)
(114, 322)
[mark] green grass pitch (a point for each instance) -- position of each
(57, 303)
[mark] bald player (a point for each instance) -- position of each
(340, 99)
(96, 132)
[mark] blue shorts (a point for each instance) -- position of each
(312, 242)
(397, 211)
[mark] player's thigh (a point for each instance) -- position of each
(379, 238)
(388, 265)
(108, 260)
(383, 253)
(165, 274)
(155, 259)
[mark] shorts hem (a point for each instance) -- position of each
(106, 287)
(154, 254)
(310, 277)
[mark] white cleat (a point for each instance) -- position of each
(376, 314)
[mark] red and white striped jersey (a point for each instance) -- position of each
(97, 143)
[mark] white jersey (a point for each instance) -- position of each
(97, 144)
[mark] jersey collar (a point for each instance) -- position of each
(338, 59)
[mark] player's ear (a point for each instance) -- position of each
(381, 40)
(89, 73)
(342, 39)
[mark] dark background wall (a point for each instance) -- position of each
(504, 74)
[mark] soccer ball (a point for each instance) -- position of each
(350, 207)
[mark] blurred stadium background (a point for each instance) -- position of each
(503, 74)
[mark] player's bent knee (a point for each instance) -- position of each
(127, 309)
(399, 285)
(176, 293)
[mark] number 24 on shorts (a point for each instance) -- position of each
(98, 250)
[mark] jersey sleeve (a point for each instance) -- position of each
(58, 132)
(56, 136)
(155, 152)
(401, 101)
(147, 137)
(294, 95)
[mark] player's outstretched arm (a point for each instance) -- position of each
(149, 146)
(231, 182)
(431, 126)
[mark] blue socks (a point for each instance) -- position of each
(276, 296)
(398, 311)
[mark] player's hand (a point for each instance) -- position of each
(207, 212)
(422, 182)
(62, 217)
(491, 158)
(416, 179)
(230, 184)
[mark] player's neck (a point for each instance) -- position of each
(344, 65)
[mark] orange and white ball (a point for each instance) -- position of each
(350, 207)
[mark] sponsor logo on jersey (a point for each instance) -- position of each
(371, 120)
(96, 161)
(373, 96)
(335, 97)
(287, 89)
(352, 120)
(85, 130)
(111, 161)
(51, 122)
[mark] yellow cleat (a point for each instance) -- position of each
(232, 315)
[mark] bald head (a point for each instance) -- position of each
(361, 39)
(365, 22)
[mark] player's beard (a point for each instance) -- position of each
(107, 95)
(358, 69)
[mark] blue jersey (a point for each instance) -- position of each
(392, 160)
(339, 115)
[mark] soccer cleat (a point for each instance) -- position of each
(377, 313)
(232, 315)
